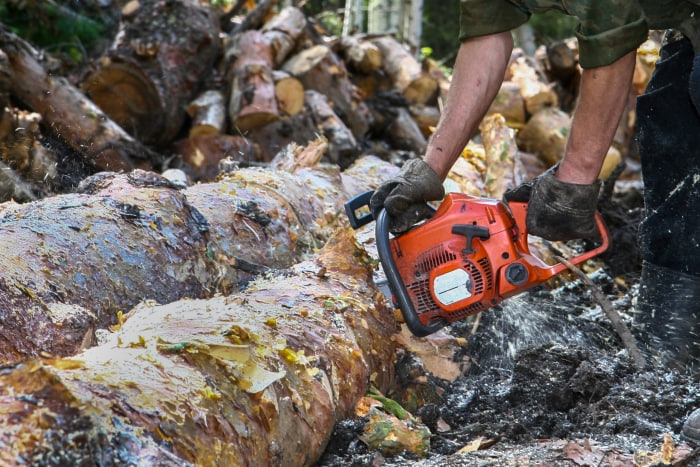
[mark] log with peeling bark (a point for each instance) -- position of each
(72, 262)
(503, 167)
(202, 154)
(342, 144)
(208, 114)
(253, 103)
(320, 69)
(68, 113)
(361, 55)
(258, 378)
(407, 74)
(155, 67)
(283, 30)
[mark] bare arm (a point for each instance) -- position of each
(604, 93)
(476, 79)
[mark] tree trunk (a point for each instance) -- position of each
(283, 30)
(102, 143)
(253, 103)
(155, 67)
(342, 144)
(76, 260)
(319, 69)
(258, 378)
(208, 114)
(406, 72)
(202, 154)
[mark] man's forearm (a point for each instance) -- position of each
(476, 79)
(602, 99)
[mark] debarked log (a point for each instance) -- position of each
(255, 379)
(71, 263)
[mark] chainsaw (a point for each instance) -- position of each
(470, 255)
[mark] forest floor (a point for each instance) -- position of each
(549, 384)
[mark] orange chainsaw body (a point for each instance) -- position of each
(470, 255)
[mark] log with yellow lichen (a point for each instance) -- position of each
(73, 262)
(251, 379)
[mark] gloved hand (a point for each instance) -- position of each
(405, 196)
(557, 210)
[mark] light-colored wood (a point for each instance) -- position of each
(208, 114)
(341, 142)
(289, 92)
(360, 55)
(407, 74)
(283, 30)
(546, 134)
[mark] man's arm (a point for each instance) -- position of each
(602, 99)
(477, 76)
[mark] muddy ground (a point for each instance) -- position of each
(549, 382)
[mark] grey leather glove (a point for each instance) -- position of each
(557, 210)
(405, 196)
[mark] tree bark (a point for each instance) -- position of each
(253, 103)
(74, 261)
(406, 72)
(360, 55)
(342, 144)
(283, 30)
(319, 69)
(202, 154)
(155, 67)
(258, 378)
(208, 114)
(67, 113)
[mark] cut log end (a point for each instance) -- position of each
(127, 97)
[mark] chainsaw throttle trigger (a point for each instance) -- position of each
(356, 203)
(470, 231)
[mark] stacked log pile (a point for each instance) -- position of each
(188, 97)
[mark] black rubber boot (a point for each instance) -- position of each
(691, 429)
(667, 317)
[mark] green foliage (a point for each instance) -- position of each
(552, 25)
(52, 26)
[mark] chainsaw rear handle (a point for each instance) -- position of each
(398, 289)
(519, 211)
(356, 203)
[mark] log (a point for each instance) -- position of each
(255, 17)
(102, 143)
(426, 117)
(319, 69)
(360, 55)
(202, 154)
(258, 378)
(73, 262)
(283, 30)
(407, 74)
(546, 134)
(275, 136)
(153, 70)
(403, 132)
(536, 91)
(510, 103)
(208, 114)
(342, 144)
(503, 167)
(289, 92)
(253, 103)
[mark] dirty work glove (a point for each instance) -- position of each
(405, 196)
(557, 210)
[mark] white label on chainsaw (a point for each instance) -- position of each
(452, 286)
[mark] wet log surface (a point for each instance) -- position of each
(253, 379)
(134, 237)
